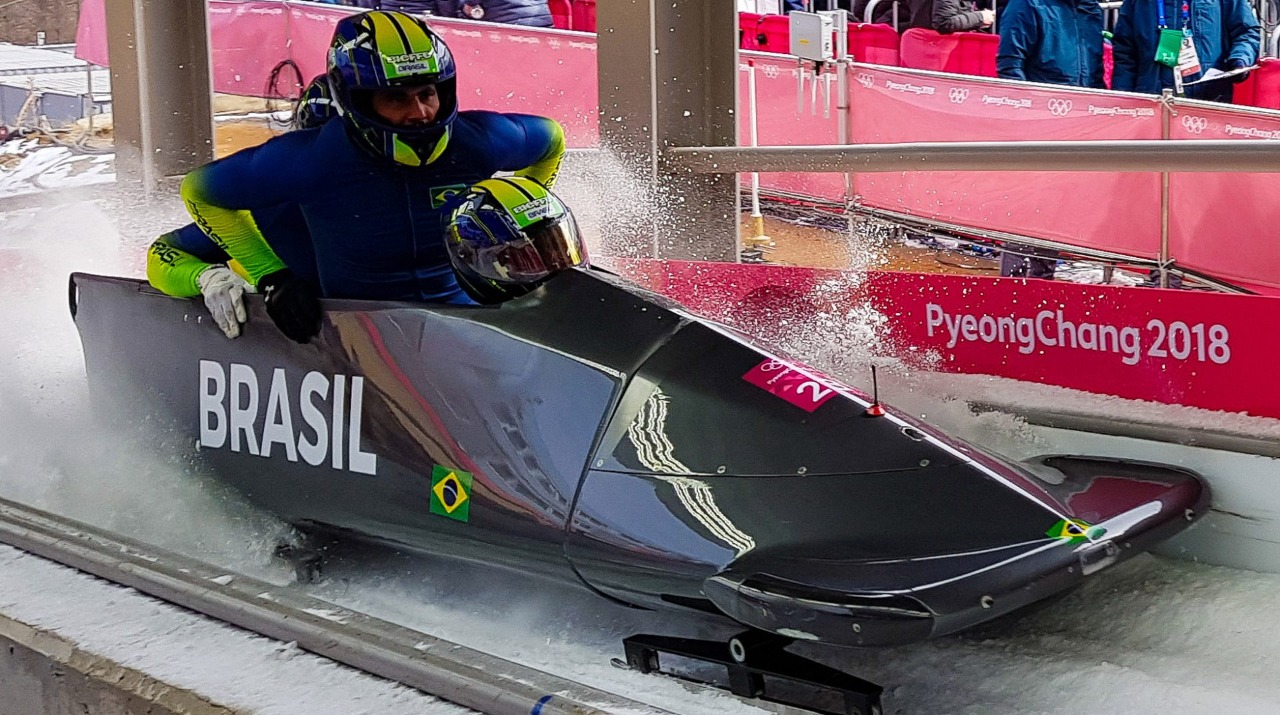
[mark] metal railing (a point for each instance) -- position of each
(1206, 155)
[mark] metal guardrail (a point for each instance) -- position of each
(446, 670)
(1209, 155)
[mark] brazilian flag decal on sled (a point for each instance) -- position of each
(1074, 531)
(451, 493)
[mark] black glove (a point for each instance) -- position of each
(292, 303)
(1235, 65)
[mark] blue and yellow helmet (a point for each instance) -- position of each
(380, 50)
(314, 107)
(507, 236)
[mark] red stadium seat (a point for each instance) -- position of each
(774, 34)
(584, 15)
(748, 26)
(874, 43)
(1262, 89)
(971, 53)
(561, 14)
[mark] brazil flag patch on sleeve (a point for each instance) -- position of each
(451, 493)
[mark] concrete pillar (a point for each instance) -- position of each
(668, 76)
(161, 88)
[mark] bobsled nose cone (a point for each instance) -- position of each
(1131, 495)
(1088, 513)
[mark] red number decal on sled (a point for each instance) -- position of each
(788, 382)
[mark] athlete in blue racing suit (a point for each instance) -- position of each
(185, 262)
(377, 233)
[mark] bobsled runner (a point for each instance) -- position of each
(600, 434)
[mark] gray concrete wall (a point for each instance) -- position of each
(21, 20)
(44, 674)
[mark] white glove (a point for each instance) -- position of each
(223, 292)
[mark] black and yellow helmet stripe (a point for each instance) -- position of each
(512, 193)
(388, 37)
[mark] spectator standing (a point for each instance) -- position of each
(413, 7)
(884, 12)
(947, 16)
(1054, 42)
(1154, 39)
(531, 13)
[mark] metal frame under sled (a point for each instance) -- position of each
(750, 658)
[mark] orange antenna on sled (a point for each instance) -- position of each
(876, 409)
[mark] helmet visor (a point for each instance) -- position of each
(545, 248)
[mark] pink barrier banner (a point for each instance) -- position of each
(541, 71)
(91, 32)
(1209, 350)
(1113, 211)
(779, 123)
(249, 38)
(546, 72)
(1225, 224)
(310, 28)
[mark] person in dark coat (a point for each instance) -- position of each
(947, 16)
(413, 7)
(1055, 42)
(1052, 41)
(883, 12)
(531, 13)
(1225, 33)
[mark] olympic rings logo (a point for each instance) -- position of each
(1059, 107)
(866, 79)
(773, 366)
(770, 71)
(958, 94)
(1195, 125)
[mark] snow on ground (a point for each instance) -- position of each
(231, 667)
(1153, 635)
(43, 167)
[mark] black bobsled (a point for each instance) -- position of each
(597, 433)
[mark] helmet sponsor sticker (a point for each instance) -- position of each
(451, 493)
(535, 210)
(412, 63)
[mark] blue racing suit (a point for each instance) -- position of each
(1221, 30)
(377, 228)
(177, 258)
(1052, 41)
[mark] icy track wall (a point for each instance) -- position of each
(553, 72)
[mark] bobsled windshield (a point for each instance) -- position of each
(706, 405)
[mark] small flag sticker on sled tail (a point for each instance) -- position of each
(1075, 531)
(451, 493)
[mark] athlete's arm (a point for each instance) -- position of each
(536, 147)
(220, 196)
(186, 263)
(176, 260)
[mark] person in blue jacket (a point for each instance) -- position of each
(372, 187)
(1052, 41)
(1225, 34)
(186, 263)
